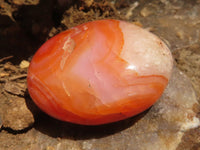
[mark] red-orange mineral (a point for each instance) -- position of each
(99, 72)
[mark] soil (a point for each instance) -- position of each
(26, 24)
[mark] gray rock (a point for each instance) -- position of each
(163, 126)
(160, 128)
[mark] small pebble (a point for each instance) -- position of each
(145, 12)
(24, 64)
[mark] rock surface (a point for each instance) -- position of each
(15, 114)
(161, 127)
(188, 60)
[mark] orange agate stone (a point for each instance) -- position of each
(99, 72)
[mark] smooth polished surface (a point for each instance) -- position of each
(99, 72)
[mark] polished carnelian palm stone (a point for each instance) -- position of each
(99, 72)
